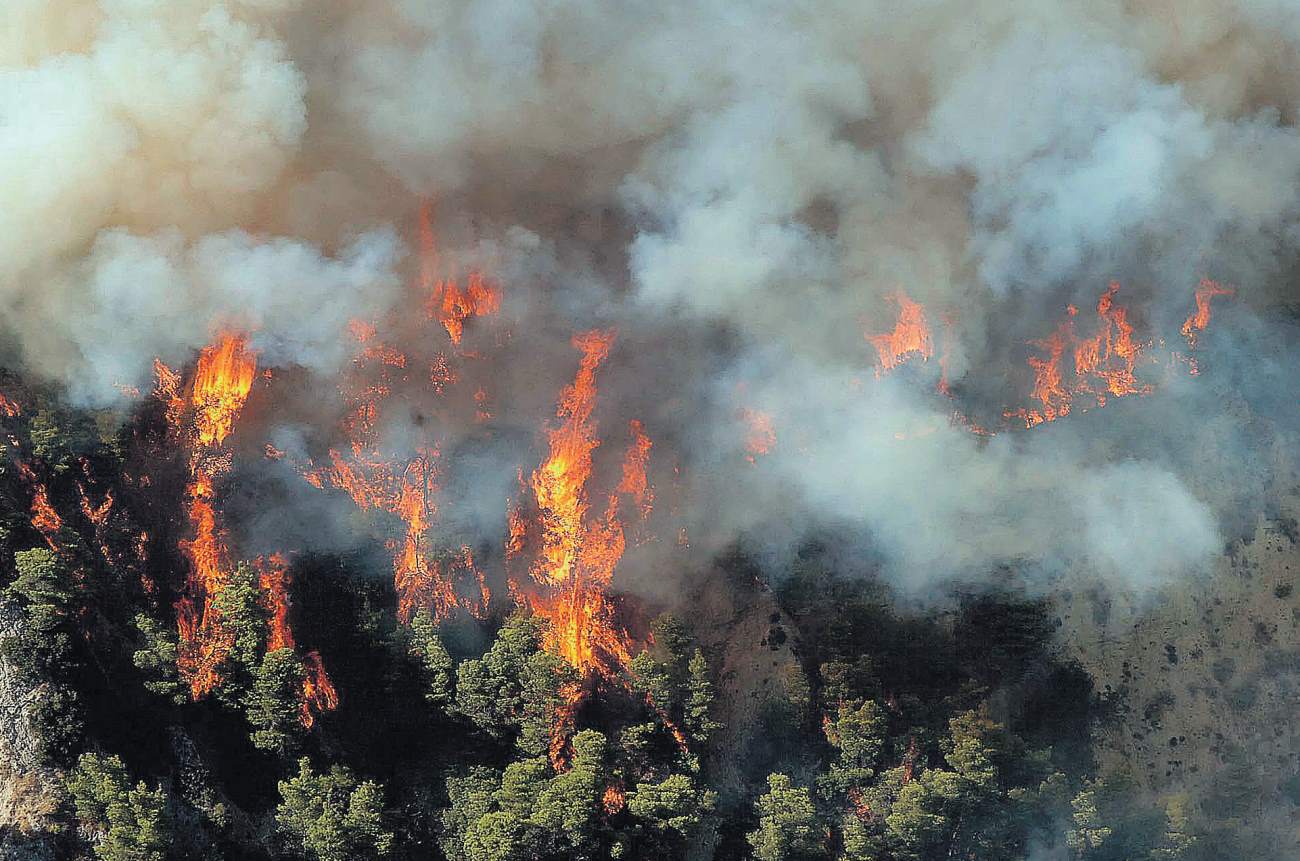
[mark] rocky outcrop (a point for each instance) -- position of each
(30, 792)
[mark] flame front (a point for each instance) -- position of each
(221, 383)
(1104, 365)
(578, 553)
(220, 386)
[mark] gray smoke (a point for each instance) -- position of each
(739, 187)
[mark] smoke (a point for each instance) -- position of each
(738, 188)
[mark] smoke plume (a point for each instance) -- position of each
(741, 190)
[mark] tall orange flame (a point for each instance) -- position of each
(318, 694)
(559, 484)
(1200, 318)
(221, 384)
(579, 552)
(910, 337)
(222, 380)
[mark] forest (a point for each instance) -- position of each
(892, 734)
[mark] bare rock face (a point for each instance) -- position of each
(751, 644)
(30, 792)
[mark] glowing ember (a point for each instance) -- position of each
(910, 337)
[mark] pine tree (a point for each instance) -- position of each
(439, 669)
(787, 823)
(332, 817)
(699, 703)
(548, 683)
(40, 647)
(489, 691)
(125, 823)
(157, 660)
(568, 807)
(472, 794)
(674, 803)
(272, 704)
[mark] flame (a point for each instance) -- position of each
(423, 576)
(318, 694)
(1199, 319)
(578, 550)
(1103, 365)
(559, 483)
(760, 436)
(9, 408)
(221, 384)
(910, 337)
(446, 301)
(613, 800)
(273, 579)
(562, 725)
(45, 519)
(635, 483)
(223, 377)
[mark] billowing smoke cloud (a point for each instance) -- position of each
(739, 188)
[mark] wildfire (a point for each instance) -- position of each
(222, 380)
(221, 384)
(1200, 318)
(1103, 364)
(424, 576)
(760, 436)
(910, 337)
(559, 484)
(447, 302)
(45, 519)
(318, 694)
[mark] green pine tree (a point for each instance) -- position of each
(272, 704)
(332, 817)
(124, 823)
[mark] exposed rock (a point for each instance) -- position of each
(30, 792)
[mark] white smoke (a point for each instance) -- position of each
(688, 170)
